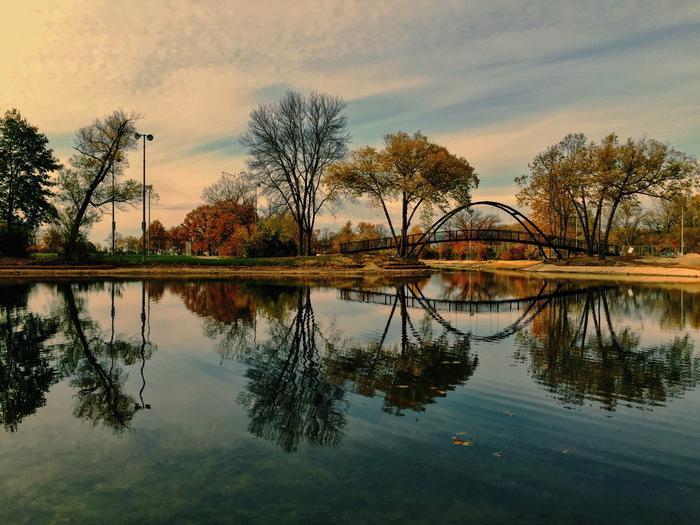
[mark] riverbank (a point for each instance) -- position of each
(320, 267)
(649, 269)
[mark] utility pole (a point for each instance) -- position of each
(148, 224)
(114, 224)
(143, 222)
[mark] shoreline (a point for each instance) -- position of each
(210, 272)
(626, 273)
(636, 273)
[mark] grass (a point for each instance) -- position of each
(193, 260)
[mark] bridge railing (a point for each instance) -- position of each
(486, 235)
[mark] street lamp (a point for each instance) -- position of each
(143, 222)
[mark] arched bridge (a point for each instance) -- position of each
(530, 235)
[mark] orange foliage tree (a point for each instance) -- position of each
(221, 228)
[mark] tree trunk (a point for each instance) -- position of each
(404, 226)
(300, 240)
(603, 248)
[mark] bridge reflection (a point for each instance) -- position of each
(305, 361)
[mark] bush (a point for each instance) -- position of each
(14, 243)
(484, 253)
(515, 252)
(268, 243)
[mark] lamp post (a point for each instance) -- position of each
(114, 224)
(143, 222)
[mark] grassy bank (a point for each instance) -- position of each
(199, 266)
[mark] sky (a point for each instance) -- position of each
(495, 82)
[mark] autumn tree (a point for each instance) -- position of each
(221, 228)
(593, 181)
(290, 145)
(643, 167)
(26, 162)
(85, 188)
(410, 171)
(157, 236)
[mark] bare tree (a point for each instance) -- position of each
(85, 188)
(235, 187)
(291, 143)
(472, 219)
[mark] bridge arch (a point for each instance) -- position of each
(539, 238)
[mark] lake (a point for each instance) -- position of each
(459, 398)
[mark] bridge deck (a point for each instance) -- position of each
(484, 235)
(447, 305)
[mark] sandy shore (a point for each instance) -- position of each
(637, 273)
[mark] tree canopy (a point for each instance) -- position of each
(290, 145)
(85, 188)
(411, 171)
(576, 182)
(25, 184)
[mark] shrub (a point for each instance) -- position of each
(515, 252)
(484, 253)
(14, 243)
(268, 243)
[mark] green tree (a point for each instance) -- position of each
(25, 185)
(85, 189)
(419, 175)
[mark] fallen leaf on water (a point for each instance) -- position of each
(565, 451)
(461, 433)
(497, 454)
(509, 413)
(401, 386)
(441, 392)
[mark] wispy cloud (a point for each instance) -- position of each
(496, 82)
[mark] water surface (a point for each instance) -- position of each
(462, 398)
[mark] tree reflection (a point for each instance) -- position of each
(26, 373)
(288, 396)
(94, 364)
(575, 351)
(230, 310)
(412, 372)
(299, 375)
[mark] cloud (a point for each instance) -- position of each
(493, 81)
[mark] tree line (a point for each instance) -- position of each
(299, 164)
(74, 199)
(585, 186)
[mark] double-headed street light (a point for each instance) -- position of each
(143, 223)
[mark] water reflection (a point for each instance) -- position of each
(289, 397)
(411, 372)
(305, 362)
(26, 373)
(38, 351)
(575, 351)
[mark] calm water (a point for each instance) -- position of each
(463, 398)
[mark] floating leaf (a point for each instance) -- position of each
(509, 413)
(565, 451)
(497, 454)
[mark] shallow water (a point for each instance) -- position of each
(463, 398)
